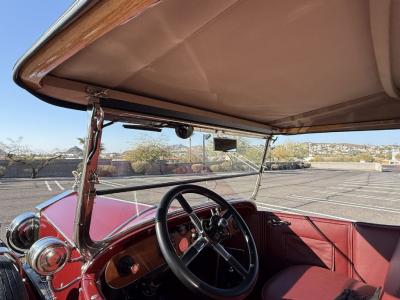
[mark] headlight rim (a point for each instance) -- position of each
(41, 246)
(12, 231)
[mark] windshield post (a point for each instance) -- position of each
(261, 170)
(87, 190)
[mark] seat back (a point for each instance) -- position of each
(392, 280)
(373, 248)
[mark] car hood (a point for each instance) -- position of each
(110, 215)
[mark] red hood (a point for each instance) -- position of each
(108, 215)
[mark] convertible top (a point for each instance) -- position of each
(261, 66)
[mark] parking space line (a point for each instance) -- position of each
(48, 186)
(108, 184)
(350, 189)
(371, 183)
(355, 195)
(112, 183)
(302, 211)
(374, 186)
(59, 185)
(349, 204)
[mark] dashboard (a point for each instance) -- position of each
(142, 255)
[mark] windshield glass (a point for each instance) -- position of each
(143, 159)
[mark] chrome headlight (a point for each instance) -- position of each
(48, 255)
(23, 232)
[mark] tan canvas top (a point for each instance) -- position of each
(264, 66)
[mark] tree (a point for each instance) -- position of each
(16, 152)
(251, 152)
(149, 151)
(397, 156)
(367, 157)
(290, 151)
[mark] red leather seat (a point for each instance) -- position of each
(311, 283)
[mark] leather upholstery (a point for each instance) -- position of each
(306, 241)
(377, 244)
(311, 283)
(392, 280)
(365, 252)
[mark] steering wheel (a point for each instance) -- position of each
(210, 233)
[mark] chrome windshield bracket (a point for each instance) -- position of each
(88, 180)
(94, 93)
(261, 170)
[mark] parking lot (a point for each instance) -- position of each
(347, 195)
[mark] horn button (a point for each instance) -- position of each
(216, 228)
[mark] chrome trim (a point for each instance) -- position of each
(15, 224)
(261, 170)
(53, 200)
(37, 283)
(40, 246)
(62, 287)
(170, 183)
(89, 178)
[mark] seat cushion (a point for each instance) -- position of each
(310, 282)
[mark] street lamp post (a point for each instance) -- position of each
(205, 137)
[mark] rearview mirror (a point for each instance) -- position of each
(224, 144)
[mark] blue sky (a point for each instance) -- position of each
(46, 127)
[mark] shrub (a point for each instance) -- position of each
(79, 167)
(215, 168)
(2, 171)
(226, 166)
(106, 170)
(306, 164)
(181, 170)
(140, 167)
(242, 167)
(197, 168)
(274, 167)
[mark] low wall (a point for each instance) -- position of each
(60, 168)
(347, 166)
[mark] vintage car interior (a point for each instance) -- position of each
(251, 67)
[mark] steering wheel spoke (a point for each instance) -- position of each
(227, 215)
(192, 215)
(194, 250)
(230, 259)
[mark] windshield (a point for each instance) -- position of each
(134, 162)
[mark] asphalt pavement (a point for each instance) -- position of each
(347, 195)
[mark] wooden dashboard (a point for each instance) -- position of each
(143, 255)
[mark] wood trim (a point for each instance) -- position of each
(97, 21)
(146, 253)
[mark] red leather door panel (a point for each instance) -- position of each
(306, 241)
